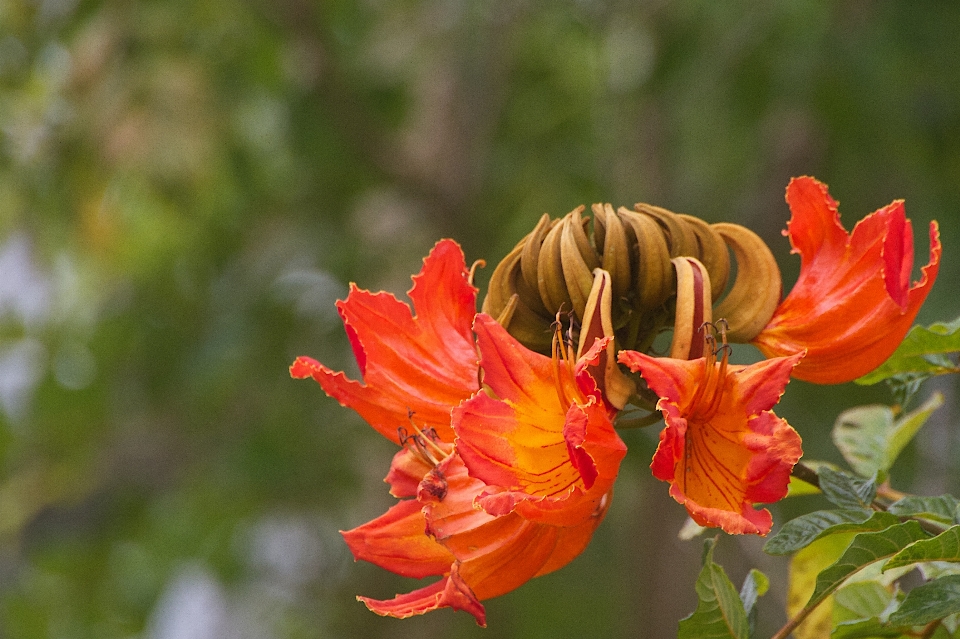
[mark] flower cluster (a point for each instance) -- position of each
(507, 457)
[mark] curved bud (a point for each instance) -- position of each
(615, 387)
(756, 292)
(529, 260)
(679, 237)
(508, 300)
(550, 280)
(551, 272)
(611, 240)
(652, 273)
(577, 259)
(712, 251)
(694, 306)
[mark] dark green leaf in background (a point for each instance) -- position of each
(846, 491)
(803, 530)
(720, 613)
(942, 509)
(943, 547)
(754, 586)
(935, 600)
(857, 609)
(872, 437)
(865, 549)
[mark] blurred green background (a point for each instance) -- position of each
(186, 187)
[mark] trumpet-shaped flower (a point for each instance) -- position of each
(853, 302)
(722, 450)
(543, 438)
(417, 369)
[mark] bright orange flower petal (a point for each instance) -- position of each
(853, 303)
(450, 592)
(396, 541)
(497, 554)
(573, 540)
(426, 363)
(478, 555)
(722, 449)
(544, 442)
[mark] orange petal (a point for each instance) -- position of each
(406, 472)
(852, 304)
(573, 540)
(722, 449)
(450, 592)
(547, 459)
(424, 363)
(397, 541)
(496, 554)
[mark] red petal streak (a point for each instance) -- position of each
(425, 363)
(898, 256)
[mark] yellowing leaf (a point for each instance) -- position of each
(804, 568)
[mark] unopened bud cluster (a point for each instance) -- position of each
(551, 272)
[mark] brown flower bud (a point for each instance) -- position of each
(551, 272)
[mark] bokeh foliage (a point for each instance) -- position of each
(186, 188)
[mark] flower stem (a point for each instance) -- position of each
(804, 473)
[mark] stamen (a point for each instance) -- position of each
(423, 443)
(559, 352)
(473, 270)
(711, 389)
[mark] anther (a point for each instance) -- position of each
(423, 443)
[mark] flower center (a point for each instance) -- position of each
(564, 367)
(709, 393)
(422, 443)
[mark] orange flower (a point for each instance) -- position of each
(424, 364)
(441, 532)
(853, 303)
(543, 439)
(416, 370)
(723, 450)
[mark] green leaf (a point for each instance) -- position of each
(864, 599)
(805, 565)
(865, 549)
(754, 586)
(866, 629)
(934, 600)
(907, 426)
(845, 490)
(720, 613)
(943, 547)
(921, 354)
(800, 532)
(861, 435)
(942, 509)
(935, 569)
(871, 438)
(857, 610)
